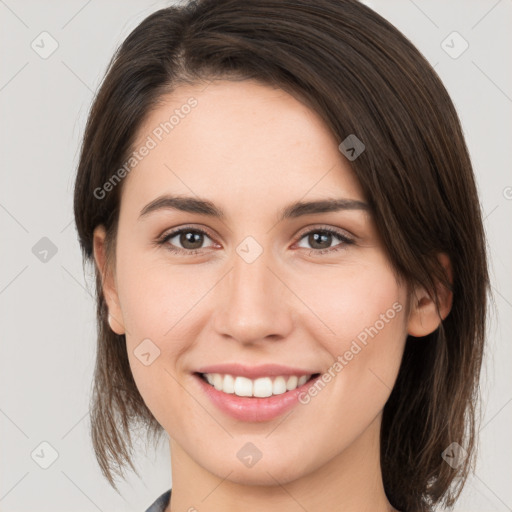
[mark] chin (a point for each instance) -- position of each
(270, 472)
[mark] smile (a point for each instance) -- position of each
(254, 394)
(260, 388)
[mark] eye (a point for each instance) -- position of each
(321, 238)
(191, 240)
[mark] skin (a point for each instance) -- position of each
(252, 150)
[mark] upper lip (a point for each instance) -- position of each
(254, 372)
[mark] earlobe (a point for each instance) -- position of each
(424, 316)
(115, 325)
(108, 282)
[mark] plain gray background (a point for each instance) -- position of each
(48, 314)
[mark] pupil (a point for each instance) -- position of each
(317, 236)
(188, 238)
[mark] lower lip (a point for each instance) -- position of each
(254, 409)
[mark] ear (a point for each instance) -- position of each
(115, 317)
(423, 315)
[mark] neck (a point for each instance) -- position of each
(351, 481)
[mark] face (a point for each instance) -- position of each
(270, 297)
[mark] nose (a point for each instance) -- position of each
(253, 302)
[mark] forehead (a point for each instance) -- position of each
(240, 143)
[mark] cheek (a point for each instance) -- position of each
(363, 328)
(154, 295)
(153, 300)
(346, 301)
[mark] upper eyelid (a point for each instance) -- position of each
(176, 231)
(335, 230)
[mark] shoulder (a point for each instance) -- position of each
(161, 503)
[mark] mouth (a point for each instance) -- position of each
(254, 400)
(261, 387)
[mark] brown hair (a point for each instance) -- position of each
(363, 77)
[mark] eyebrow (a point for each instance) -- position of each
(206, 207)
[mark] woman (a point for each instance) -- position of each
(290, 260)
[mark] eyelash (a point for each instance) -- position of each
(189, 252)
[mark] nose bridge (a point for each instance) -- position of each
(251, 275)
(253, 306)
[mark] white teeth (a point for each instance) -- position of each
(279, 386)
(261, 388)
(218, 381)
(302, 380)
(243, 386)
(228, 384)
(291, 383)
